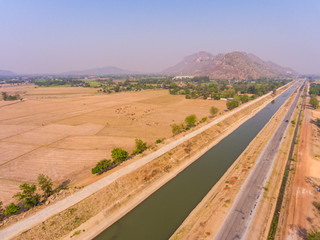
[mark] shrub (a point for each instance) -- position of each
(316, 205)
(176, 128)
(118, 155)
(101, 166)
(159, 141)
(140, 147)
(204, 119)
(45, 184)
(213, 110)
(11, 209)
(28, 194)
(313, 234)
(191, 120)
(7, 97)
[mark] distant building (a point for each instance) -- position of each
(182, 77)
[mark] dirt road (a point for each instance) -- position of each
(301, 215)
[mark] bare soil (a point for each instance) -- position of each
(64, 131)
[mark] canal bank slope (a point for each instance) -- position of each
(206, 219)
(127, 183)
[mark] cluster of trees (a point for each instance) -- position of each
(314, 89)
(314, 92)
(237, 100)
(29, 196)
(70, 82)
(118, 155)
(8, 97)
(225, 89)
(191, 121)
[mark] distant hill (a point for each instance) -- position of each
(6, 73)
(109, 70)
(238, 65)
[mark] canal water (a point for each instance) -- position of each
(163, 212)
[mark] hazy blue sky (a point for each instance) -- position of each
(52, 36)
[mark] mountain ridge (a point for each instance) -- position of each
(237, 65)
(7, 73)
(107, 70)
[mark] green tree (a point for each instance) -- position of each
(118, 155)
(244, 98)
(45, 184)
(232, 104)
(213, 110)
(313, 234)
(101, 166)
(314, 102)
(140, 147)
(191, 120)
(28, 195)
(11, 209)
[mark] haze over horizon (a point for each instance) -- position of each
(149, 36)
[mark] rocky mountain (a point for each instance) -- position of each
(109, 70)
(6, 73)
(237, 65)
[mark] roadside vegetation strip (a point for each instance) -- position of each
(204, 221)
(274, 223)
(89, 190)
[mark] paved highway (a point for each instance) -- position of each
(241, 214)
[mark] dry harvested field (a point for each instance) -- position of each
(64, 131)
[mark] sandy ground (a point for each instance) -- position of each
(207, 218)
(301, 214)
(63, 132)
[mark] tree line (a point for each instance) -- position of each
(29, 196)
(118, 155)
